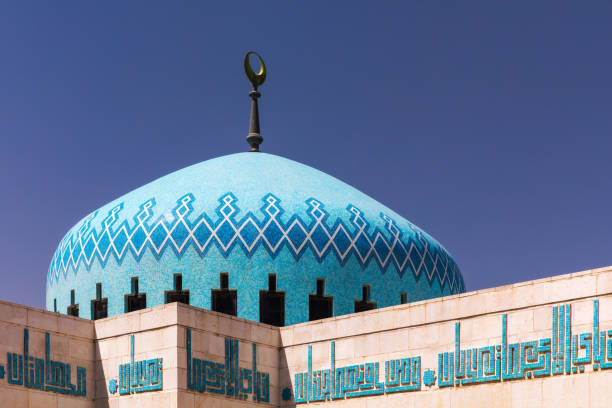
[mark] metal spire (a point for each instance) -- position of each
(254, 137)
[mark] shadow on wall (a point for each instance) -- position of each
(286, 397)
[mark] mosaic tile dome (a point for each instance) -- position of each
(244, 215)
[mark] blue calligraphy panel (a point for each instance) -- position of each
(140, 376)
(227, 378)
(44, 374)
(564, 353)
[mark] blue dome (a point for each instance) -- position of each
(248, 215)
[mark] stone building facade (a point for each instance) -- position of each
(542, 343)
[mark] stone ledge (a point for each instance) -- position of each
(522, 295)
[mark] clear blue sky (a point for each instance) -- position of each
(487, 124)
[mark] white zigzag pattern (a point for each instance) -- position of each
(123, 240)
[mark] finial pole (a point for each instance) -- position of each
(254, 137)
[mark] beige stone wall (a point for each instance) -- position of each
(428, 328)
(156, 335)
(208, 333)
(161, 332)
(71, 341)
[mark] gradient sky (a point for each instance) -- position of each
(488, 125)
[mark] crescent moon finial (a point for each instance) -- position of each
(256, 79)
